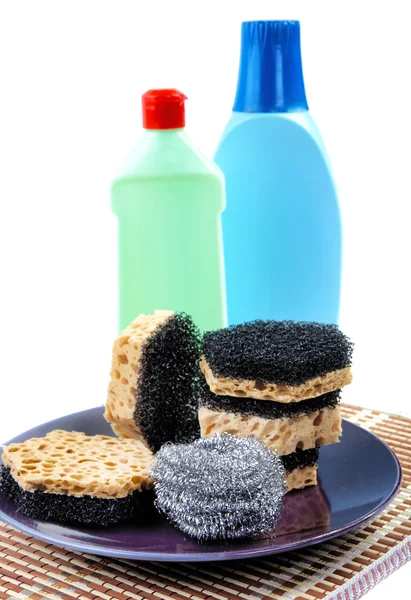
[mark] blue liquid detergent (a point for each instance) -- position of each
(282, 226)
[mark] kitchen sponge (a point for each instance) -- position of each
(71, 477)
(286, 361)
(63, 508)
(152, 394)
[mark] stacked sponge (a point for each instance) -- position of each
(279, 381)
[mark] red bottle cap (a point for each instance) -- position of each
(163, 109)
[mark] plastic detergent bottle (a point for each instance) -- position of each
(168, 198)
(281, 227)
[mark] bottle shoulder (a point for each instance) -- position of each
(167, 154)
(283, 150)
(280, 128)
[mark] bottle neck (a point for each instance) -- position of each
(163, 132)
(163, 140)
(270, 76)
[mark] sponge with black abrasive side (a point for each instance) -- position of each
(282, 427)
(285, 361)
(301, 468)
(152, 394)
(70, 477)
(64, 508)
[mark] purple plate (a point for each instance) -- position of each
(358, 478)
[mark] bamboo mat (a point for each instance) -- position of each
(342, 569)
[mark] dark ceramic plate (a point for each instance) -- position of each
(358, 478)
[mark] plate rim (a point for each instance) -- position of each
(221, 555)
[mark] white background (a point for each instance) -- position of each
(71, 78)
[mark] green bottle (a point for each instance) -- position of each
(168, 198)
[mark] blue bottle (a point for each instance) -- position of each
(282, 226)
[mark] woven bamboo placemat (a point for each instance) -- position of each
(341, 569)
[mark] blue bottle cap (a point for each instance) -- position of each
(270, 78)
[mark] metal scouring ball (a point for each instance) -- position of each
(222, 487)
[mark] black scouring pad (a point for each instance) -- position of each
(167, 396)
(282, 352)
(265, 410)
(300, 459)
(87, 510)
(224, 487)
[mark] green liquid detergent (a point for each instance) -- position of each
(168, 198)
